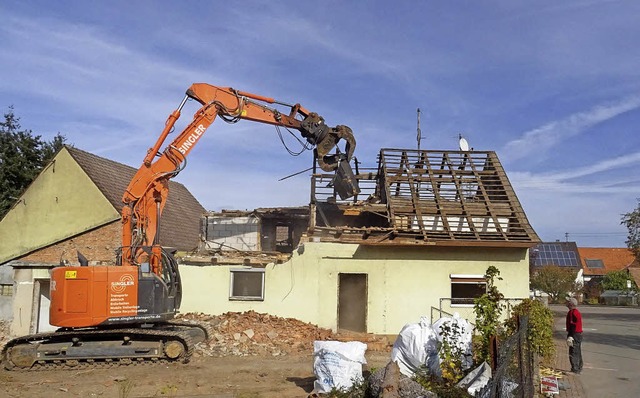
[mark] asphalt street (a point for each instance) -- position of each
(610, 349)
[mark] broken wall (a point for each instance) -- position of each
(402, 283)
(231, 232)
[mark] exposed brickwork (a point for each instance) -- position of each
(98, 246)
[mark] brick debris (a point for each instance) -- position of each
(256, 334)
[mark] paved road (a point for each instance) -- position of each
(610, 350)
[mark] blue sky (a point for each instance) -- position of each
(552, 87)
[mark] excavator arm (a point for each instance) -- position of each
(147, 192)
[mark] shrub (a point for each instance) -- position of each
(488, 308)
(540, 330)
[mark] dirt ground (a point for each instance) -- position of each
(238, 377)
(251, 355)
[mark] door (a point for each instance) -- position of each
(352, 302)
(44, 303)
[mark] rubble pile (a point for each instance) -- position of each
(254, 334)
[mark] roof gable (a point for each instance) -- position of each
(60, 203)
(180, 221)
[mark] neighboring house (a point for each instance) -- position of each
(74, 205)
(599, 261)
(416, 241)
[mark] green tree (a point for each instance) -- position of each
(555, 281)
(22, 157)
(631, 220)
(617, 280)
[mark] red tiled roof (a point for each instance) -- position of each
(613, 259)
(180, 224)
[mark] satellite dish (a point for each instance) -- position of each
(464, 145)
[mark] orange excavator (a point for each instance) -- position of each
(124, 313)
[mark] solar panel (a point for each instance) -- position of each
(555, 254)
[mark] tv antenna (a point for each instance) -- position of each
(419, 135)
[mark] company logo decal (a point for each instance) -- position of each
(119, 286)
(191, 140)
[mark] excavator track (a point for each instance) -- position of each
(94, 348)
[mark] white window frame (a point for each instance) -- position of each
(465, 279)
(232, 273)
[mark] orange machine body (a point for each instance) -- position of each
(102, 295)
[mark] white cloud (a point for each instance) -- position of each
(569, 180)
(543, 138)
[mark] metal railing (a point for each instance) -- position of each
(464, 308)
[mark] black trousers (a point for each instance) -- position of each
(575, 353)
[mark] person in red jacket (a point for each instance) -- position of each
(574, 335)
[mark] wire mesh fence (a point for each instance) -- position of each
(513, 358)
(464, 308)
(514, 367)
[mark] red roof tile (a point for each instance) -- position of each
(613, 259)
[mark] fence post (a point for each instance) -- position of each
(520, 348)
(493, 352)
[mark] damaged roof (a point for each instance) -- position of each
(453, 198)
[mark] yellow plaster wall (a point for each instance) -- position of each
(403, 283)
(61, 202)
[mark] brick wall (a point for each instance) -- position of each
(98, 246)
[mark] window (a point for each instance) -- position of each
(466, 288)
(247, 284)
(594, 263)
(6, 289)
(283, 239)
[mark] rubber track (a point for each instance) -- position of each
(206, 327)
(58, 364)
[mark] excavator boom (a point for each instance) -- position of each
(146, 194)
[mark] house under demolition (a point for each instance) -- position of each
(449, 198)
(423, 229)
